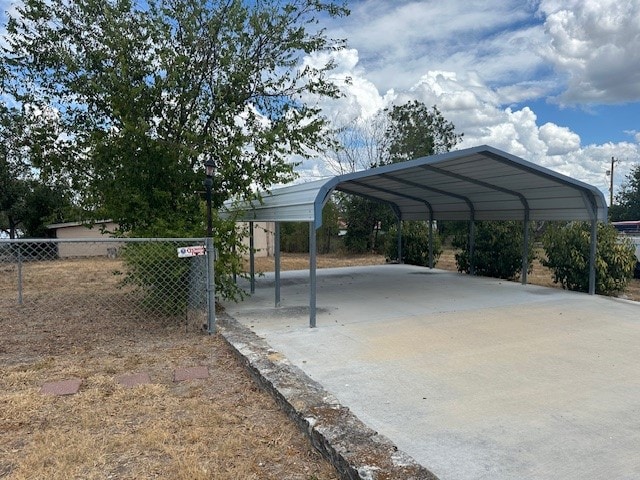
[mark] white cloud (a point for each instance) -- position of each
(398, 41)
(559, 140)
(596, 43)
(580, 51)
(476, 109)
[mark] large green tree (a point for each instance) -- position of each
(146, 91)
(410, 131)
(627, 206)
(415, 131)
(28, 200)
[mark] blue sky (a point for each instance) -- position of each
(556, 82)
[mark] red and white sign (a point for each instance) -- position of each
(195, 251)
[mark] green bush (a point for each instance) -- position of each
(415, 243)
(168, 284)
(155, 271)
(497, 250)
(367, 221)
(567, 250)
(294, 237)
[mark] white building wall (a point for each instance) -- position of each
(80, 231)
(263, 238)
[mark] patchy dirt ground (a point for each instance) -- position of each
(222, 427)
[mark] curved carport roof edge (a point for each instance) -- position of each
(481, 183)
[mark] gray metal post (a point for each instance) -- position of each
(211, 287)
(431, 242)
(525, 249)
(399, 240)
(252, 260)
(312, 275)
(472, 246)
(592, 256)
(276, 248)
(19, 274)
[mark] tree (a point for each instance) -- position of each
(628, 199)
(28, 201)
(415, 243)
(366, 221)
(328, 232)
(360, 143)
(567, 249)
(146, 91)
(295, 235)
(497, 250)
(410, 131)
(414, 131)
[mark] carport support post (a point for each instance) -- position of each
(592, 257)
(472, 246)
(399, 240)
(312, 275)
(252, 259)
(431, 241)
(525, 249)
(276, 254)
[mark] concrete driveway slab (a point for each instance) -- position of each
(475, 378)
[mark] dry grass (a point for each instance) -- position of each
(220, 428)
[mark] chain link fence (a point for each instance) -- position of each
(162, 279)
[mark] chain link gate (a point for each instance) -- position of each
(164, 279)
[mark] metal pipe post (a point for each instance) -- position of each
(472, 246)
(431, 242)
(525, 249)
(19, 275)
(312, 275)
(252, 259)
(592, 256)
(399, 240)
(211, 287)
(276, 253)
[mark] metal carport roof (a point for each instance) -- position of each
(480, 183)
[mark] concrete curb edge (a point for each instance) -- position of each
(355, 450)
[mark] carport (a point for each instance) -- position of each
(480, 183)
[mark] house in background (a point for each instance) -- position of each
(79, 230)
(263, 238)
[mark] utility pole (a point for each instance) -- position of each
(610, 173)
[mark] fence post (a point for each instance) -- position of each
(19, 257)
(211, 287)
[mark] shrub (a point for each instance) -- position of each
(294, 237)
(155, 271)
(497, 251)
(415, 243)
(567, 250)
(168, 284)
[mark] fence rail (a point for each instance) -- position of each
(136, 277)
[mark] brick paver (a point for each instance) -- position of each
(62, 387)
(190, 373)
